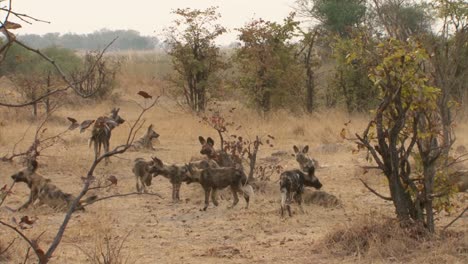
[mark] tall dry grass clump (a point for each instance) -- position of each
(377, 239)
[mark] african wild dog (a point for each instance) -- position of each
(213, 179)
(220, 156)
(302, 157)
(145, 142)
(292, 184)
(47, 193)
(101, 133)
(141, 169)
(176, 175)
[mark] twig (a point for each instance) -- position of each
(23, 16)
(9, 245)
(375, 192)
(25, 238)
(123, 195)
(7, 192)
(27, 255)
(456, 218)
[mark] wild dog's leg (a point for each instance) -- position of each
(97, 148)
(213, 197)
(207, 198)
(298, 199)
(32, 197)
(138, 183)
(234, 190)
(288, 202)
(284, 195)
(246, 191)
(106, 149)
(178, 191)
(174, 192)
(143, 187)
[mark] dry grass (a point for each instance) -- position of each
(180, 233)
(377, 239)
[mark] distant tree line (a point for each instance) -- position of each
(127, 40)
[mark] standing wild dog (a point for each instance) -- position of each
(302, 157)
(292, 184)
(178, 174)
(220, 156)
(47, 193)
(145, 142)
(141, 169)
(175, 174)
(213, 179)
(101, 133)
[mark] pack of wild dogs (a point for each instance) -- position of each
(217, 171)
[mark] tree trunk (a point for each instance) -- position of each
(266, 102)
(429, 174)
(310, 90)
(401, 199)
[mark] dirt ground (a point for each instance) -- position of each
(154, 230)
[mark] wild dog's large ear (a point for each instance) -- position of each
(150, 127)
(117, 110)
(202, 140)
(296, 149)
(158, 161)
(210, 141)
(305, 149)
(32, 165)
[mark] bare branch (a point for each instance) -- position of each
(375, 192)
(456, 218)
(39, 254)
(21, 16)
(8, 247)
(7, 193)
(123, 195)
(70, 84)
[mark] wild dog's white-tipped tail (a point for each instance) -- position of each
(248, 189)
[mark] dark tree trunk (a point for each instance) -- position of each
(310, 90)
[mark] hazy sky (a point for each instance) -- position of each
(146, 16)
